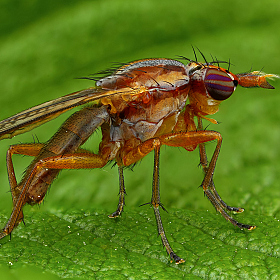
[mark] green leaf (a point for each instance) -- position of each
(88, 244)
(45, 44)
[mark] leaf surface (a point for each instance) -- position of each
(90, 245)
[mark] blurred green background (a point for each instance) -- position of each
(45, 45)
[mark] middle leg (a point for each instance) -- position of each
(182, 139)
(122, 193)
(156, 204)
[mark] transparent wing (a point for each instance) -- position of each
(35, 116)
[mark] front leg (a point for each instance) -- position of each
(186, 140)
(204, 164)
(212, 193)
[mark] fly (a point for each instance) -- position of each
(140, 107)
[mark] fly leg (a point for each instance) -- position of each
(122, 194)
(26, 150)
(185, 140)
(211, 192)
(81, 159)
(180, 139)
(136, 154)
(22, 149)
(204, 163)
(156, 203)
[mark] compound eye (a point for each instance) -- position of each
(219, 84)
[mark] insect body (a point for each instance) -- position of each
(140, 107)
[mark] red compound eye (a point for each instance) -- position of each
(219, 84)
